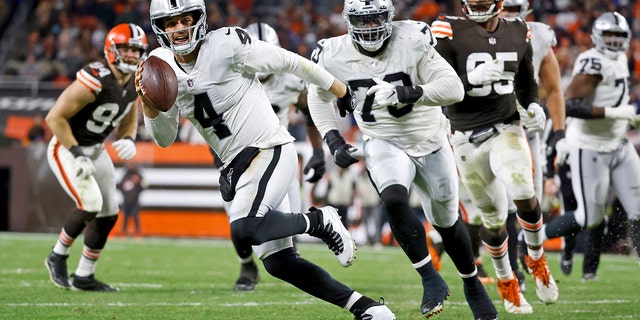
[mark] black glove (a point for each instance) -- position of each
(340, 150)
(347, 103)
(317, 164)
(555, 156)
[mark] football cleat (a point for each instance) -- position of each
(590, 277)
(512, 298)
(336, 236)
(566, 262)
(90, 283)
(546, 287)
(249, 277)
(377, 312)
(479, 301)
(57, 266)
(433, 296)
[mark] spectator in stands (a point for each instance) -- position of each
(131, 185)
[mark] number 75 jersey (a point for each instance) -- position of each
(409, 59)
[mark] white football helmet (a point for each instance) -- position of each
(515, 8)
(611, 34)
(481, 11)
(369, 22)
(263, 32)
(160, 9)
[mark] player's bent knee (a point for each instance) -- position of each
(395, 194)
(245, 231)
(279, 263)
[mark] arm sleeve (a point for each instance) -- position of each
(443, 87)
(320, 103)
(163, 128)
(267, 58)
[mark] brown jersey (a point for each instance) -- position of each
(93, 123)
(465, 45)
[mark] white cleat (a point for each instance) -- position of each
(546, 287)
(514, 301)
(336, 236)
(379, 312)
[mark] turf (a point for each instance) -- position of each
(193, 279)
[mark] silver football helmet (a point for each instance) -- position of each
(369, 22)
(161, 9)
(481, 11)
(515, 8)
(611, 34)
(263, 32)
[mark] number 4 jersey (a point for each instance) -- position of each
(465, 45)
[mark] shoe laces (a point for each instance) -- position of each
(509, 290)
(539, 269)
(331, 238)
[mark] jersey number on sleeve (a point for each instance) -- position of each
(203, 106)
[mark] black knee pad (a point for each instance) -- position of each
(77, 221)
(245, 230)
(393, 195)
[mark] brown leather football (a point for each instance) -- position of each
(159, 83)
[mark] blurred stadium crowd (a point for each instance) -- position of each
(57, 37)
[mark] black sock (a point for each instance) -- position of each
(474, 236)
(512, 231)
(593, 250)
(315, 219)
(458, 246)
(563, 225)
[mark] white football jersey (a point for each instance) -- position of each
(283, 90)
(542, 38)
(601, 134)
(222, 96)
(409, 59)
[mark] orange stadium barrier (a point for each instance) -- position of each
(208, 224)
(179, 153)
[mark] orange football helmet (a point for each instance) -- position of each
(125, 35)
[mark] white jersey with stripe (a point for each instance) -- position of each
(283, 90)
(602, 134)
(222, 96)
(409, 59)
(542, 38)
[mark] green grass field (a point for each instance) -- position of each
(193, 279)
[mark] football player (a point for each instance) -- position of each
(601, 158)
(101, 99)
(283, 90)
(401, 83)
(493, 57)
(220, 94)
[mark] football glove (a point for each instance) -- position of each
(340, 150)
(126, 148)
(316, 163)
(558, 148)
(84, 166)
(535, 119)
(623, 112)
(348, 103)
(485, 73)
(386, 94)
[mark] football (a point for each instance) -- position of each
(158, 83)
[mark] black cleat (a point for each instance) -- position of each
(249, 277)
(435, 292)
(566, 262)
(57, 266)
(479, 302)
(90, 283)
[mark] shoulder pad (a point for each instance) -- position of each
(442, 29)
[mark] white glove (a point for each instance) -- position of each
(535, 119)
(562, 152)
(385, 93)
(624, 112)
(486, 72)
(85, 167)
(126, 148)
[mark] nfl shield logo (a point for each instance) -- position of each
(492, 41)
(190, 82)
